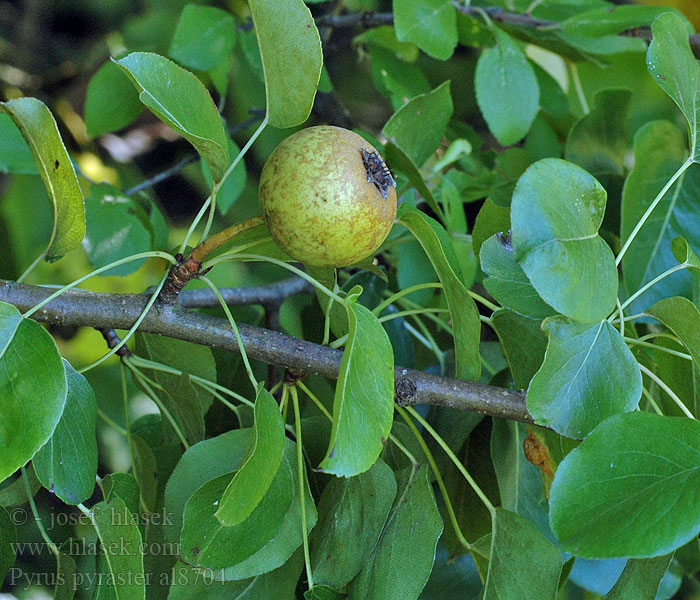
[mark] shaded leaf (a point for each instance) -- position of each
(506, 89)
(203, 37)
(65, 577)
(111, 101)
(611, 20)
(8, 539)
(40, 131)
(588, 374)
(430, 24)
(32, 387)
(180, 100)
(640, 579)
(397, 159)
(463, 312)
(363, 406)
(235, 183)
(263, 457)
(290, 48)
(556, 212)
(15, 156)
(67, 464)
(681, 316)
(611, 495)
(414, 522)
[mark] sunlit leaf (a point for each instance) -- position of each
(40, 131)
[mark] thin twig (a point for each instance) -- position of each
(120, 311)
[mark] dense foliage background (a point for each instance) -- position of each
(545, 248)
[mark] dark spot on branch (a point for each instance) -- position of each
(404, 389)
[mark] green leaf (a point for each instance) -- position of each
(418, 126)
(611, 20)
(208, 543)
(640, 579)
(519, 481)
(8, 539)
(350, 509)
(611, 495)
(602, 45)
(235, 183)
(556, 212)
(430, 24)
(193, 583)
(15, 156)
(588, 374)
(414, 522)
(395, 78)
(15, 493)
(399, 161)
(385, 37)
(598, 140)
(114, 229)
(111, 102)
(180, 100)
(290, 48)
(523, 564)
(67, 464)
(523, 343)
(32, 388)
(121, 546)
(363, 406)
(674, 68)
(65, 577)
(323, 592)
(463, 311)
(203, 38)
(40, 131)
(506, 281)
(659, 150)
(254, 477)
(681, 316)
(124, 487)
(491, 219)
(506, 89)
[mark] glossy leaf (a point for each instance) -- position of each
(463, 312)
(121, 544)
(32, 387)
(290, 48)
(681, 316)
(8, 539)
(640, 579)
(597, 141)
(506, 281)
(350, 509)
(114, 229)
(674, 68)
(111, 102)
(40, 131)
(523, 564)
(15, 156)
(203, 37)
(659, 150)
(414, 522)
(611, 495)
(523, 344)
(506, 89)
(180, 100)
(418, 125)
(588, 374)
(208, 543)
(430, 24)
(67, 464)
(263, 457)
(556, 212)
(363, 406)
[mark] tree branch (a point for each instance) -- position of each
(120, 311)
(266, 295)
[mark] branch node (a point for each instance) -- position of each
(404, 390)
(181, 273)
(113, 341)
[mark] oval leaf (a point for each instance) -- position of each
(32, 388)
(611, 495)
(67, 463)
(506, 89)
(463, 311)
(430, 24)
(263, 458)
(588, 374)
(414, 522)
(363, 406)
(111, 101)
(180, 100)
(350, 509)
(40, 131)
(556, 212)
(203, 38)
(291, 53)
